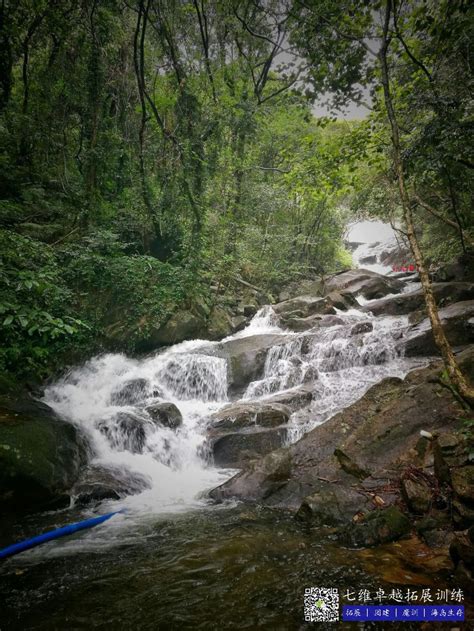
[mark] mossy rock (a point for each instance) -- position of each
(40, 457)
(379, 526)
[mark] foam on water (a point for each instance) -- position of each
(109, 395)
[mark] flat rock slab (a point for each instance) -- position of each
(236, 449)
(250, 414)
(457, 323)
(364, 282)
(445, 293)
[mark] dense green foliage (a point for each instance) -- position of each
(149, 151)
(154, 150)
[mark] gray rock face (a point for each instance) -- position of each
(364, 283)
(219, 324)
(40, 457)
(314, 321)
(362, 327)
(295, 398)
(460, 269)
(380, 431)
(417, 494)
(445, 293)
(455, 321)
(243, 431)
(133, 392)
(97, 484)
(166, 414)
(182, 325)
(307, 287)
(378, 526)
(126, 431)
(236, 449)
(305, 312)
(246, 356)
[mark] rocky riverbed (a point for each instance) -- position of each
(330, 408)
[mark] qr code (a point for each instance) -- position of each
(321, 604)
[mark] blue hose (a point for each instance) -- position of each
(54, 534)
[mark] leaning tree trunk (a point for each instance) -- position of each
(455, 374)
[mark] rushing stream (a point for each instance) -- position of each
(173, 560)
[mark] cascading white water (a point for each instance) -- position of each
(340, 366)
(375, 238)
(110, 398)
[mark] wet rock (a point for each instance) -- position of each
(462, 482)
(40, 457)
(267, 476)
(449, 450)
(246, 356)
(298, 313)
(295, 398)
(98, 483)
(460, 269)
(235, 449)
(417, 494)
(349, 466)
(368, 260)
(462, 549)
(454, 319)
(315, 321)
(166, 414)
(463, 513)
(380, 526)
(133, 392)
(182, 325)
(239, 415)
(381, 431)
(445, 293)
(363, 282)
(219, 324)
(305, 287)
(330, 506)
(249, 310)
(125, 431)
(362, 327)
(239, 322)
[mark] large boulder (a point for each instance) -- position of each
(133, 392)
(461, 268)
(98, 483)
(165, 413)
(295, 398)
(236, 449)
(182, 325)
(219, 324)
(245, 430)
(445, 293)
(365, 283)
(306, 287)
(304, 312)
(40, 456)
(377, 526)
(380, 431)
(297, 324)
(458, 324)
(126, 431)
(246, 356)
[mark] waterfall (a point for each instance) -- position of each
(114, 398)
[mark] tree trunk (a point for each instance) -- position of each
(455, 374)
